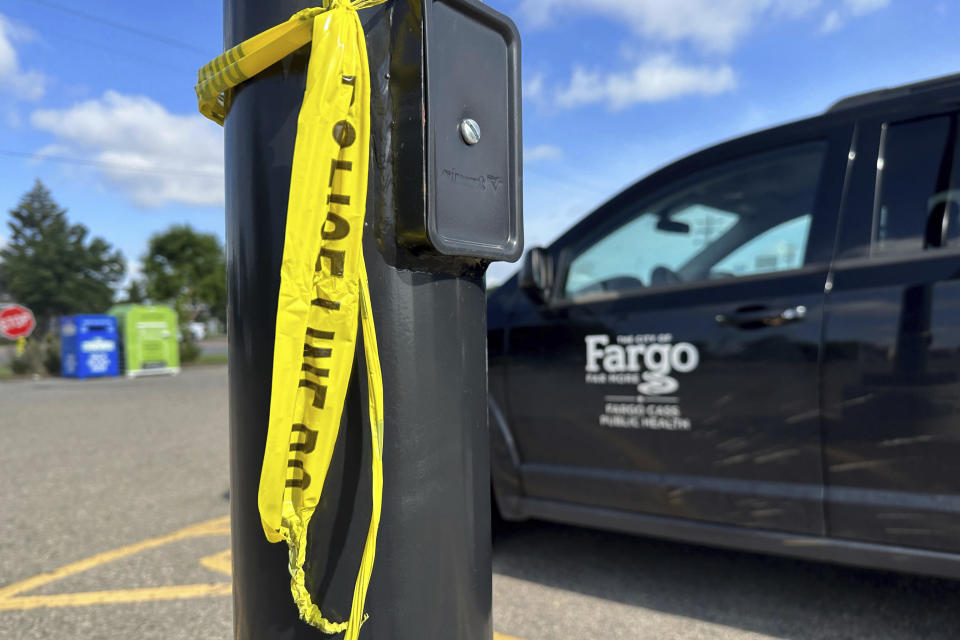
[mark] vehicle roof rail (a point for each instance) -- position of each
(869, 97)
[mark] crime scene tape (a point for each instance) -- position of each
(323, 286)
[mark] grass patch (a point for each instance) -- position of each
(5, 372)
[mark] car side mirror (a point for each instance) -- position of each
(536, 274)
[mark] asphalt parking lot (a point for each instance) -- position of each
(114, 501)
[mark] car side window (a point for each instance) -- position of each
(918, 192)
(745, 218)
(778, 249)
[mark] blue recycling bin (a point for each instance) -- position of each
(88, 346)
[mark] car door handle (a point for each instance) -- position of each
(759, 317)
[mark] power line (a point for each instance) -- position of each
(171, 42)
(124, 54)
(110, 165)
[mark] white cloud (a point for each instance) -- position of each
(831, 22)
(14, 80)
(134, 272)
(12, 118)
(533, 87)
(863, 7)
(837, 18)
(714, 28)
(542, 152)
(154, 156)
(656, 79)
(714, 25)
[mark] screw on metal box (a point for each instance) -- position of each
(470, 131)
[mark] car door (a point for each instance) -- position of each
(892, 338)
(674, 371)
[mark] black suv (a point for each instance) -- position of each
(757, 346)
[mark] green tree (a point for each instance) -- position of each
(187, 268)
(135, 293)
(52, 266)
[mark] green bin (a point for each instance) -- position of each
(148, 339)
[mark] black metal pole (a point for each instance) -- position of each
(432, 577)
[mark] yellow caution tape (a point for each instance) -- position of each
(323, 288)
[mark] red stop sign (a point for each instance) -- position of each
(16, 322)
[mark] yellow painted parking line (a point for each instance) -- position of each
(220, 562)
(124, 596)
(223, 563)
(11, 600)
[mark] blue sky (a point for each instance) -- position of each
(612, 90)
